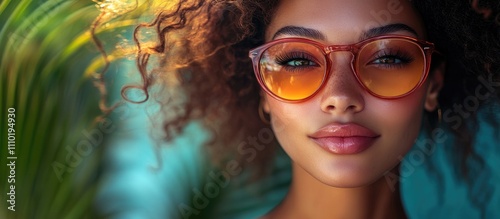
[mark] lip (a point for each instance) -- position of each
(347, 138)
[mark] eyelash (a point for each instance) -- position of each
(287, 56)
(283, 58)
(398, 54)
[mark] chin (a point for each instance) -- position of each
(348, 182)
(350, 177)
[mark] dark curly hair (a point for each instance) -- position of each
(468, 34)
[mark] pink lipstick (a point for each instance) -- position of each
(347, 138)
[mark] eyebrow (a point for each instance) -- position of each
(299, 31)
(390, 28)
(315, 34)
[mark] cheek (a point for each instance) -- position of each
(283, 118)
(399, 113)
(290, 122)
(399, 121)
(404, 113)
(289, 116)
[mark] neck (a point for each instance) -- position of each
(310, 198)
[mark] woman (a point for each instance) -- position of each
(348, 86)
(344, 137)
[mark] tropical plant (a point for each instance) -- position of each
(46, 51)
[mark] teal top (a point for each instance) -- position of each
(181, 183)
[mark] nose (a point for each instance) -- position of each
(342, 94)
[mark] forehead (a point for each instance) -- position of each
(344, 21)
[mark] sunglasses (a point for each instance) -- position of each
(388, 67)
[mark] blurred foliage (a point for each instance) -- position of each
(45, 49)
(49, 66)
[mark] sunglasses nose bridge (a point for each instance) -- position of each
(329, 51)
(337, 48)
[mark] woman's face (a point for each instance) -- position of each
(367, 136)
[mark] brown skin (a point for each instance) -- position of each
(327, 185)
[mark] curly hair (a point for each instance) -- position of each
(468, 34)
(205, 63)
(201, 60)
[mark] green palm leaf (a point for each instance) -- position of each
(45, 49)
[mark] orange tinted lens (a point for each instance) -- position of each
(390, 67)
(292, 70)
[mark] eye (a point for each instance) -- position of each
(300, 62)
(392, 58)
(296, 59)
(388, 60)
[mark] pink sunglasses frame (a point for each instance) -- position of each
(427, 48)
